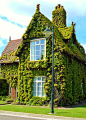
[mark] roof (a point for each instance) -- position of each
(7, 54)
(11, 46)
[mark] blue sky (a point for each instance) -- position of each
(15, 15)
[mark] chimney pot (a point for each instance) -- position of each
(59, 5)
(38, 7)
(9, 38)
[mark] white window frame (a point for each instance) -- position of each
(17, 90)
(9, 89)
(39, 81)
(35, 47)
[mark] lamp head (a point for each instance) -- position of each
(47, 31)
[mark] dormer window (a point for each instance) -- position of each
(37, 49)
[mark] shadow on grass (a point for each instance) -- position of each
(83, 106)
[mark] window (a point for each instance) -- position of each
(38, 88)
(37, 49)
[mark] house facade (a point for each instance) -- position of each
(34, 69)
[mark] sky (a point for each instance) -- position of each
(15, 15)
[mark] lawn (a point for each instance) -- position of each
(79, 112)
(2, 102)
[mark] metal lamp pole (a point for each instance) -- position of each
(47, 33)
(52, 95)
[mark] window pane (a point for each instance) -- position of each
(38, 93)
(32, 58)
(39, 89)
(42, 89)
(43, 94)
(38, 47)
(32, 43)
(37, 57)
(39, 78)
(42, 41)
(34, 84)
(37, 52)
(42, 52)
(32, 48)
(34, 89)
(42, 47)
(34, 79)
(39, 84)
(43, 84)
(32, 53)
(37, 42)
(34, 93)
(43, 78)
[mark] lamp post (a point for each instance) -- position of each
(47, 33)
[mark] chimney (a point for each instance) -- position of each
(9, 38)
(59, 16)
(38, 7)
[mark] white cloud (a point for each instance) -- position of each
(21, 19)
(5, 10)
(76, 7)
(8, 29)
(77, 2)
(29, 2)
(84, 45)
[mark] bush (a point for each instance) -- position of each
(8, 99)
(4, 98)
(16, 101)
(38, 101)
(0, 97)
(4, 88)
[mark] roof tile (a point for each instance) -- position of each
(11, 46)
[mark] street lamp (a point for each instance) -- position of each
(47, 33)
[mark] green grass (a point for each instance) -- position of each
(2, 102)
(79, 112)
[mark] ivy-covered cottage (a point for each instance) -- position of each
(32, 68)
